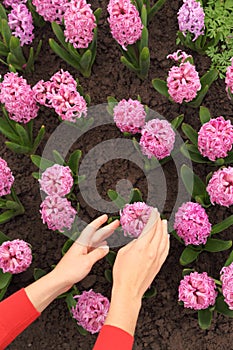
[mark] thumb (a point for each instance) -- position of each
(98, 253)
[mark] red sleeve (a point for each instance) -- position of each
(16, 313)
(113, 338)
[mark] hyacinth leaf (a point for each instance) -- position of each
(93, 46)
(41, 163)
(3, 14)
(161, 86)
(3, 50)
(17, 148)
(5, 278)
(221, 226)
(6, 216)
(16, 50)
(64, 55)
(222, 307)
(119, 201)
(129, 65)
(59, 34)
(204, 318)
(144, 61)
(38, 139)
(74, 160)
(37, 19)
(188, 256)
(150, 293)
(155, 8)
(135, 196)
(2, 203)
(3, 237)
(200, 96)
(12, 205)
(38, 273)
(67, 246)
(229, 158)
(112, 102)
(229, 259)
(108, 275)
(186, 150)
(174, 234)
(217, 245)
(194, 185)
(70, 301)
(6, 32)
(144, 39)
(58, 158)
(97, 14)
(30, 61)
(36, 175)
(144, 16)
(187, 272)
(204, 115)
(208, 78)
(130, 55)
(13, 62)
(111, 257)
(190, 133)
(7, 130)
(85, 63)
(176, 122)
(23, 135)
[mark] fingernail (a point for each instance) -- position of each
(106, 247)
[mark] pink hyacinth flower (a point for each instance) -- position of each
(157, 139)
(91, 310)
(21, 23)
(191, 18)
(134, 217)
(192, 223)
(41, 91)
(227, 284)
(57, 213)
(215, 138)
(51, 10)
(18, 98)
(220, 187)
(9, 3)
(79, 23)
(56, 179)
(6, 178)
(125, 22)
(129, 116)
(229, 79)
(197, 291)
(15, 256)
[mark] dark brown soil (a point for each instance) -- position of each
(162, 324)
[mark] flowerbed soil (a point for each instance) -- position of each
(162, 324)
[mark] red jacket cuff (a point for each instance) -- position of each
(113, 338)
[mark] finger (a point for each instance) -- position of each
(90, 229)
(149, 229)
(164, 237)
(98, 254)
(104, 232)
(157, 238)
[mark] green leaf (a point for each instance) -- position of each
(135, 196)
(111, 257)
(59, 34)
(6, 32)
(119, 201)
(191, 152)
(112, 102)
(229, 259)
(176, 122)
(41, 163)
(229, 158)
(3, 237)
(38, 139)
(58, 158)
(85, 63)
(204, 318)
(64, 55)
(144, 63)
(97, 14)
(81, 330)
(23, 135)
(144, 16)
(17, 148)
(188, 255)
(144, 39)
(7, 130)
(74, 160)
(36, 175)
(200, 96)
(4, 278)
(6, 216)
(161, 86)
(155, 8)
(150, 293)
(221, 226)
(3, 14)
(190, 133)
(186, 272)
(70, 301)
(67, 246)
(38, 273)
(222, 307)
(12, 205)
(17, 51)
(129, 65)
(204, 115)
(108, 275)
(194, 185)
(217, 245)
(208, 78)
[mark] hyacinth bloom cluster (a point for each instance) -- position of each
(91, 310)
(56, 179)
(197, 291)
(9, 3)
(125, 22)
(134, 217)
(60, 93)
(51, 10)
(6, 178)
(191, 18)
(157, 139)
(192, 223)
(15, 256)
(79, 22)
(215, 138)
(57, 213)
(21, 23)
(129, 116)
(18, 98)
(183, 81)
(229, 79)
(220, 187)
(227, 284)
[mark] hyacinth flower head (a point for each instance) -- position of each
(51, 10)
(197, 291)
(227, 284)
(229, 79)
(57, 213)
(79, 22)
(125, 22)
(91, 310)
(9, 3)
(215, 138)
(18, 98)
(21, 23)
(56, 179)
(134, 217)
(183, 81)
(157, 139)
(220, 187)
(6, 178)
(129, 116)
(191, 18)
(15, 256)
(192, 223)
